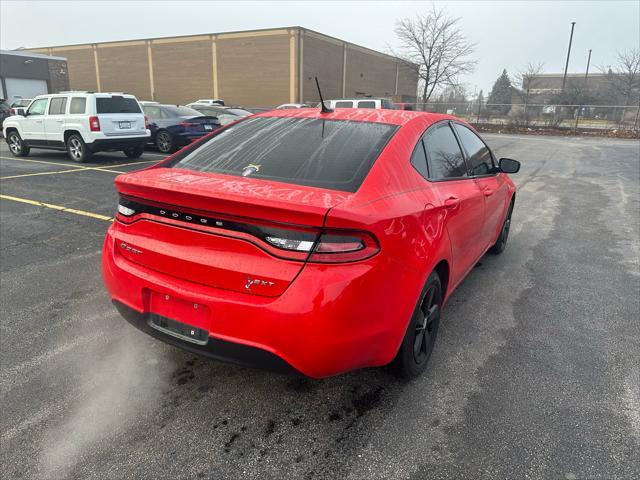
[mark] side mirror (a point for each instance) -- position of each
(21, 111)
(507, 165)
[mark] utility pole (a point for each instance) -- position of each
(566, 66)
(586, 74)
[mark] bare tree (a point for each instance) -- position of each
(528, 80)
(625, 79)
(435, 47)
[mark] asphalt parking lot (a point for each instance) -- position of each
(536, 373)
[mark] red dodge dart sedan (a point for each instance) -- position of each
(308, 241)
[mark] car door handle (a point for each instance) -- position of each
(38, 121)
(452, 202)
(487, 191)
(59, 121)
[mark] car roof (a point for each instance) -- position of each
(394, 117)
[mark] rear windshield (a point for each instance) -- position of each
(182, 112)
(117, 105)
(333, 154)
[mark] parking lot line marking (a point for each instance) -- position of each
(80, 167)
(57, 207)
(42, 161)
(38, 173)
(128, 164)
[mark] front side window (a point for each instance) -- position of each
(78, 105)
(478, 155)
(344, 104)
(58, 106)
(444, 156)
(117, 104)
(367, 104)
(333, 154)
(38, 107)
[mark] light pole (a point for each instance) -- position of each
(586, 74)
(566, 66)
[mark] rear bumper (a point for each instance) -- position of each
(330, 320)
(215, 348)
(118, 143)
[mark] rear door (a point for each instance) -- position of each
(33, 124)
(482, 168)
(54, 121)
(119, 115)
(460, 197)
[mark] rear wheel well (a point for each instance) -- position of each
(68, 133)
(442, 269)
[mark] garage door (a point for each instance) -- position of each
(24, 88)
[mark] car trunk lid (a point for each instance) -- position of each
(211, 228)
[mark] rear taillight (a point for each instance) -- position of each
(146, 122)
(330, 247)
(94, 124)
(12, 111)
(299, 243)
(340, 246)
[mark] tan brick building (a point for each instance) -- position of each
(259, 68)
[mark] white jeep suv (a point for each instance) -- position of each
(81, 123)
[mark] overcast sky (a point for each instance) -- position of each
(508, 34)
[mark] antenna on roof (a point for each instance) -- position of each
(323, 107)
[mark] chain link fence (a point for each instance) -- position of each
(548, 116)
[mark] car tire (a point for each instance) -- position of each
(419, 339)
(134, 152)
(77, 149)
(17, 145)
(164, 142)
(498, 247)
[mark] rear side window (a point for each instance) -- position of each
(419, 159)
(57, 106)
(78, 105)
(117, 104)
(344, 105)
(367, 104)
(478, 154)
(443, 153)
(333, 154)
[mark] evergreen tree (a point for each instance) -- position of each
(501, 94)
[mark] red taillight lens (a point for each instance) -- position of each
(296, 243)
(94, 124)
(146, 122)
(340, 246)
(12, 111)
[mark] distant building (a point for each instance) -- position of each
(258, 68)
(547, 84)
(25, 74)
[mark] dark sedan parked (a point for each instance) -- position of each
(5, 111)
(174, 126)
